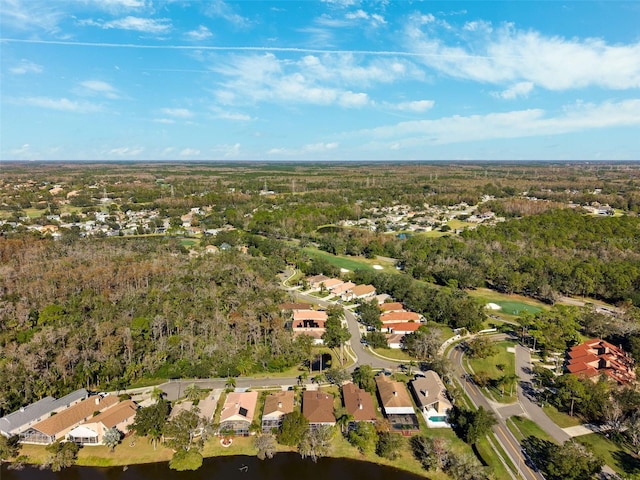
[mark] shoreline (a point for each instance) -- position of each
(143, 453)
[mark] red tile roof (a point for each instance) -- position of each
(595, 357)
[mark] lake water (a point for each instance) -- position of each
(283, 466)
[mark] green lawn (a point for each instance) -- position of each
(490, 365)
(490, 457)
(523, 427)
(511, 304)
(393, 353)
(561, 419)
(621, 459)
(339, 261)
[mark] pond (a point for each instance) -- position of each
(283, 466)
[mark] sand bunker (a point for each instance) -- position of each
(493, 306)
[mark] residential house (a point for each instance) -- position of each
(237, 412)
(57, 426)
(359, 403)
(276, 406)
(399, 317)
(396, 404)
(360, 292)
(596, 357)
(317, 407)
(382, 298)
(431, 398)
(316, 280)
(91, 432)
(394, 340)
(17, 422)
(332, 283)
(392, 307)
(342, 289)
(309, 322)
(400, 328)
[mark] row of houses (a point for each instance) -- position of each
(346, 291)
(77, 417)
(318, 407)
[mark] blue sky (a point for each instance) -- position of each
(319, 80)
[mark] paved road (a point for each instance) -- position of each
(363, 355)
(526, 398)
(504, 436)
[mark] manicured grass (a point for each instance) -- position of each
(511, 304)
(393, 353)
(339, 261)
(622, 460)
(561, 419)
(523, 427)
(489, 366)
(489, 456)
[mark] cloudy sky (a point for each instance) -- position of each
(319, 80)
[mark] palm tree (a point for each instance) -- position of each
(231, 383)
(192, 392)
(343, 418)
(157, 394)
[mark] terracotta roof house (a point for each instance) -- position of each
(391, 317)
(57, 426)
(309, 322)
(17, 422)
(91, 432)
(237, 412)
(431, 398)
(317, 407)
(597, 357)
(400, 328)
(358, 403)
(392, 307)
(276, 406)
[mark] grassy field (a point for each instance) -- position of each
(561, 419)
(619, 458)
(490, 366)
(490, 457)
(523, 427)
(512, 305)
(351, 263)
(393, 353)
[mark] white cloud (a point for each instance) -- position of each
(220, 9)
(31, 14)
(227, 151)
(126, 151)
(138, 24)
(177, 112)
(120, 3)
(374, 19)
(24, 149)
(61, 104)
(320, 80)
(189, 152)
(236, 116)
(98, 87)
(199, 34)
(312, 148)
(515, 124)
(167, 121)
(508, 55)
(26, 66)
(521, 89)
(417, 106)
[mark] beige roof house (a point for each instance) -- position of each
(393, 396)
(310, 315)
(362, 291)
(237, 412)
(317, 407)
(332, 283)
(392, 307)
(430, 393)
(340, 289)
(358, 403)
(91, 432)
(276, 406)
(57, 426)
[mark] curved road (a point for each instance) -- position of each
(509, 443)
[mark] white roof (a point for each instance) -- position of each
(82, 431)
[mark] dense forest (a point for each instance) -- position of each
(104, 313)
(560, 252)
